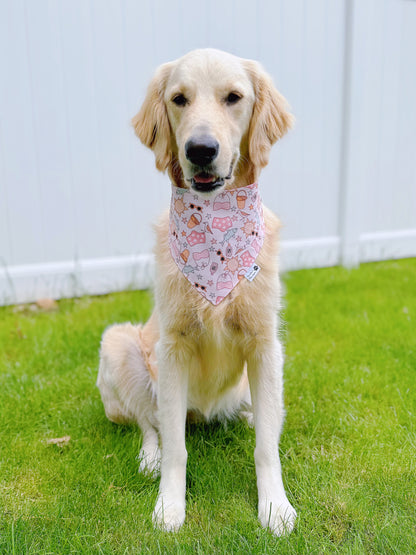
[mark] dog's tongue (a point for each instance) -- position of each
(204, 178)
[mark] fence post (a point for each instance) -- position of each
(349, 213)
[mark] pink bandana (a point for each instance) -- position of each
(215, 242)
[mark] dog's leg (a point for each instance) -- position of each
(169, 512)
(127, 390)
(149, 455)
(266, 384)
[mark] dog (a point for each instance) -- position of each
(211, 346)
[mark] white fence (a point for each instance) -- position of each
(72, 174)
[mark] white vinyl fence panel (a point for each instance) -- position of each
(79, 194)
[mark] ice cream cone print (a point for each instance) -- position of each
(185, 255)
(241, 199)
(194, 220)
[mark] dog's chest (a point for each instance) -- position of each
(216, 367)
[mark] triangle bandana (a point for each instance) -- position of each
(215, 241)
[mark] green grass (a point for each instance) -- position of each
(348, 448)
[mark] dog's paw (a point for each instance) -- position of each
(168, 516)
(279, 518)
(149, 461)
(248, 417)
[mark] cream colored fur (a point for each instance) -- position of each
(215, 361)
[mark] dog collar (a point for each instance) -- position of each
(215, 242)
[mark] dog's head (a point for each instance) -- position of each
(210, 119)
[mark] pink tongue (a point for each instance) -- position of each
(204, 178)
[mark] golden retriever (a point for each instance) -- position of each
(210, 119)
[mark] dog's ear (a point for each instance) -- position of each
(151, 124)
(270, 119)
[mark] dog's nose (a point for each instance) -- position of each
(201, 151)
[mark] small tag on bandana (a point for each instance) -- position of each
(252, 272)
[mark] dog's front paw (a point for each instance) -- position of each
(168, 515)
(278, 517)
(149, 461)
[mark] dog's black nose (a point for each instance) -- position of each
(201, 151)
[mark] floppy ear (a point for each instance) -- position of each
(270, 119)
(151, 124)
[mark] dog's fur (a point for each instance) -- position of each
(216, 361)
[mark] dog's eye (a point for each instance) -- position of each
(179, 100)
(233, 98)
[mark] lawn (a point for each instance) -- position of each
(348, 448)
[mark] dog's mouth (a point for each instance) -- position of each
(206, 182)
